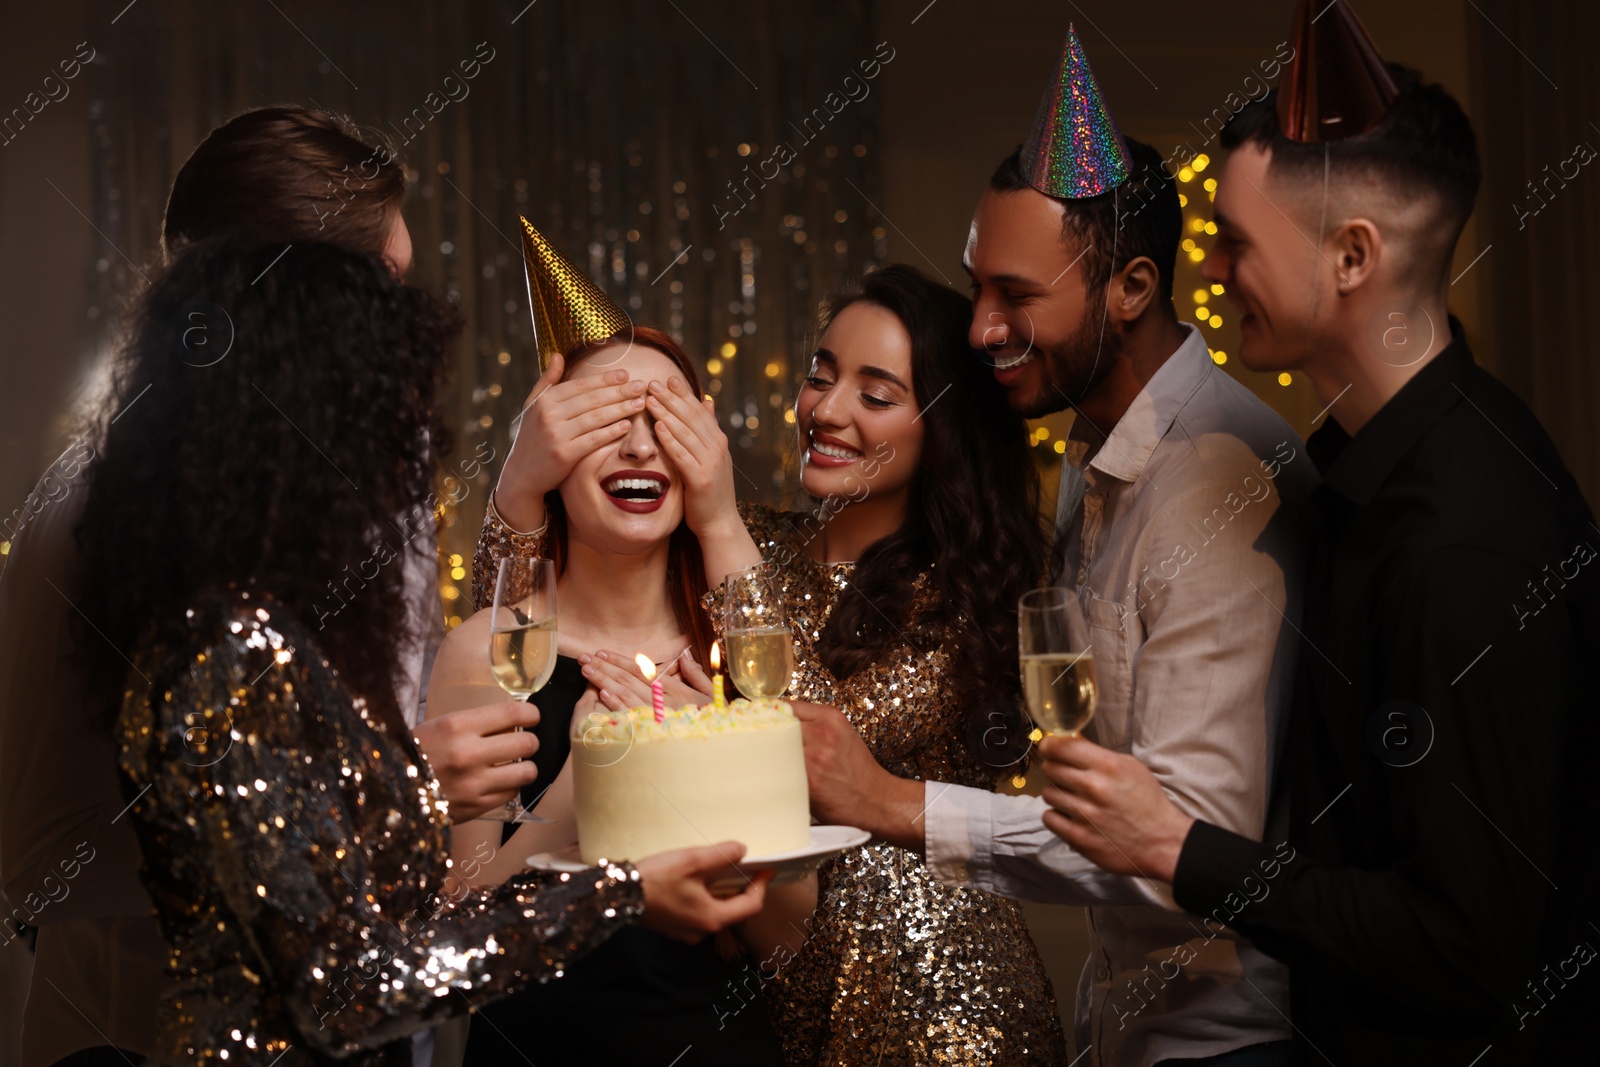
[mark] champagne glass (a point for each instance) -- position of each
(522, 643)
(1057, 660)
(760, 645)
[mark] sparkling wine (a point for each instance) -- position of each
(761, 661)
(524, 658)
(1060, 690)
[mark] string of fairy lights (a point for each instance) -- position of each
(1196, 227)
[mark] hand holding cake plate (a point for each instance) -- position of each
(788, 866)
(793, 866)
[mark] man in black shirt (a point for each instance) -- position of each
(1429, 871)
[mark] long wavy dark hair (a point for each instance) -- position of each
(972, 521)
(271, 419)
(686, 569)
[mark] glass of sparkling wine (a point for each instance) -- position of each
(1057, 660)
(522, 643)
(760, 646)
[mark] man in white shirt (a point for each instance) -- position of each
(1177, 525)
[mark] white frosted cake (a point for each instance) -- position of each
(698, 777)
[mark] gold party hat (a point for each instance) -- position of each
(568, 308)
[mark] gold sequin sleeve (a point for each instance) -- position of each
(781, 538)
(296, 853)
(497, 541)
(809, 590)
(896, 967)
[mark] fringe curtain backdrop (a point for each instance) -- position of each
(712, 165)
(1537, 114)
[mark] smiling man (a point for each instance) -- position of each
(1176, 525)
(1433, 886)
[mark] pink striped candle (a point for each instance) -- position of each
(658, 702)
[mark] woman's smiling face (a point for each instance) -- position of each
(857, 414)
(626, 496)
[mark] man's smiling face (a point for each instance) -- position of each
(1031, 309)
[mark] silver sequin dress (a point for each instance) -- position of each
(296, 852)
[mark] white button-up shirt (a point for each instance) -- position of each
(1181, 533)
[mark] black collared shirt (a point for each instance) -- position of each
(1438, 784)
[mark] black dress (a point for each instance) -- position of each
(640, 997)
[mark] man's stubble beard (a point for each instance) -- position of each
(1077, 365)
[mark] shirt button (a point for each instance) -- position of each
(961, 872)
(1102, 973)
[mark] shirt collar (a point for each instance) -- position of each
(1356, 467)
(1127, 449)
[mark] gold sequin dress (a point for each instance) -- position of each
(296, 853)
(896, 967)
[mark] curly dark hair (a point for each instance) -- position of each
(973, 520)
(271, 421)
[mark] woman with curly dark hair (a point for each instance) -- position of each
(901, 590)
(239, 547)
(282, 174)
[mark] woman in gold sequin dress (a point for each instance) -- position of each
(901, 590)
(293, 836)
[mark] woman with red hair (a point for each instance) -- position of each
(608, 507)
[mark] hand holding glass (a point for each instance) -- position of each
(522, 642)
(1057, 660)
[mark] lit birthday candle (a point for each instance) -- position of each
(648, 668)
(718, 701)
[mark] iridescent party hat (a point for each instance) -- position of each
(568, 308)
(1074, 149)
(1337, 84)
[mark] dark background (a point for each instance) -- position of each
(616, 127)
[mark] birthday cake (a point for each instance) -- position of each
(699, 776)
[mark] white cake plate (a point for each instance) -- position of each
(789, 866)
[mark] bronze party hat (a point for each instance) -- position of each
(1074, 149)
(568, 308)
(1337, 85)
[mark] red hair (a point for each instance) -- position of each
(686, 569)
